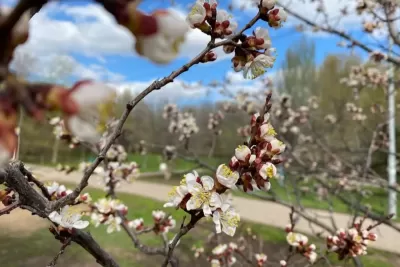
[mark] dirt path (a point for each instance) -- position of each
(257, 211)
(20, 222)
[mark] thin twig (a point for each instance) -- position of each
(183, 231)
(62, 250)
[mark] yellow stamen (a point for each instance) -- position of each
(172, 193)
(241, 147)
(226, 172)
(230, 219)
(269, 171)
(202, 197)
(257, 71)
(183, 181)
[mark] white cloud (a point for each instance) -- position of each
(59, 68)
(172, 92)
(92, 31)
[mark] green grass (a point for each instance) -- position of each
(147, 163)
(40, 247)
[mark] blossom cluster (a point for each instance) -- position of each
(115, 172)
(252, 54)
(169, 153)
(184, 124)
(351, 242)
(360, 77)
(214, 121)
(244, 103)
(223, 255)
(105, 211)
(115, 169)
(290, 118)
(141, 147)
(357, 112)
(251, 168)
(162, 222)
(300, 243)
(57, 191)
(112, 212)
(244, 131)
(116, 153)
(61, 133)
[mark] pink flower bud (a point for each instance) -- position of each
(372, 236)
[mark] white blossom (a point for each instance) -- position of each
(202, 195)
(226, 176)
(163, 46)
(196, 15)
(257, 67)
(114, 224)
(69, 218)
(268, 3)
(296, 239)
(225, 218)
(94, 101)
(268, 170)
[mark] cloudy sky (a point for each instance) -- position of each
(82, 36)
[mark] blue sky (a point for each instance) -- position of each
(88, 38)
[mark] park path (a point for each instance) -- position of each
(257, 211)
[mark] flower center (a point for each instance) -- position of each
(270, 130)
(196, 10)
(226, 171)
(292, 238)
(269, 171)
(231, 220)
(203, 197)
(242, 148)
(358, 239)
(70, 216)
(172, 193)
(257, 71)
(183, 181)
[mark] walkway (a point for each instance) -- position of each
(253, 210)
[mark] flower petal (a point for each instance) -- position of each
(82, 130)
(81, 224)
(207, 210)
(55, 217)
(217, 221)
(215, 200)
(191, 205)
(208, 182)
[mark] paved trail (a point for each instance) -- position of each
(257, 211)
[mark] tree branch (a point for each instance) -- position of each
(183, 231)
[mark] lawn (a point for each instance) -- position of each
(147, 163)
(38, 248)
